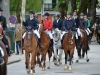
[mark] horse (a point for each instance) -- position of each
(4, 34)
(83, 45)
(57, 46)
(30, 45)
(45, 42)
(3, 55)
(68, 45)
(98, 33)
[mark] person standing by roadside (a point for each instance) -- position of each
(17, 38)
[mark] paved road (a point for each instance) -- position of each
(82, 68)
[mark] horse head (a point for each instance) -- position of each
(70, 37)
(56, 34)
(41, 26)
(29, 34)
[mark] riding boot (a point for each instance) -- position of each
(78, 42)
(51, 43)
(88, 48)
(22, 44)
(39, 43)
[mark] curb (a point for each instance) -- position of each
(12, 62)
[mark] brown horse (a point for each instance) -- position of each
(45, 42)
(1, 36)
(3, 55)
(30, 45)
(83, 45)
(69, 46)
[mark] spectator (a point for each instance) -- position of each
(17, 38)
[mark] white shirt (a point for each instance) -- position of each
(31, 18)
(57, 20)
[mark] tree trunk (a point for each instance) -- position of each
(63, 7)
(74, 6)
(83, 7)
(93, 10)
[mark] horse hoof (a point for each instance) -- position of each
(28, 71)
(40, 65)
(31, 72)
(66, 68)
(60, 63)
(77, 61)
(70, 68)
(48, 67)
(55, 63)
(43, 69)
(87, 60)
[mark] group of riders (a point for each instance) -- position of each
(71, 21)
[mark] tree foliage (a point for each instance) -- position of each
(15, 7)
(80, 5)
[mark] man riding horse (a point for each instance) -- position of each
(48, 27)
(82, 23)
(69, 23)
(4, 39)
(33, 22)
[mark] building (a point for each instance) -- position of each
(4, 4)
(48, 6)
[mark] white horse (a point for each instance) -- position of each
(57, 47)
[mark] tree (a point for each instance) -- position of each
(62, 7)
(15, 7)
(73, 4)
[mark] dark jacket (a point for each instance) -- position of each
(3, 19)
(77, 21)
(81, 22)
(69, 24)
(85, 24)
(33, 23)
(58, 25)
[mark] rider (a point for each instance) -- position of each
(4, 39)
(33, 22)
(57, 23)
(81, 22)
(48, 27)
(69, 23)
(86, 24)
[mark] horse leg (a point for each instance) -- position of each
(70, 61)
(27, 61)
(83, 52)
(66, 66)
(44, 59)
(55, 55)
(60, 56)
(49, 55)
(38, 58)
(33, 61)
(79, 55)
(87, 59)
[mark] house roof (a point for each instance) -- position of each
(50, 12)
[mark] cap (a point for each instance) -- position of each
(31, 12)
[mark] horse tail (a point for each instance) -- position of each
(5, 69)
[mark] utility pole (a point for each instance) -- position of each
(42, 7)
(23, 18)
